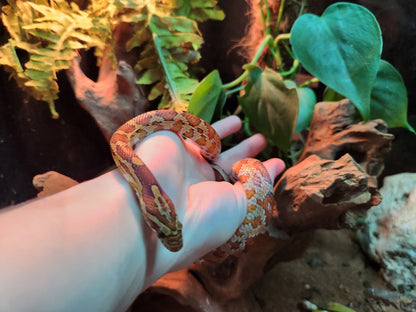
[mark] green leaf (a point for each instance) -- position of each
(200, 14)
(342, 49)
(220, 106)
(307, 101)
(9, 58)
(48, 11)
(186, 85)
(179, 24)
(156, 91)
(204, 101)
(331, 95)
(337, 307)
(201, 3)
(150, 76)
(271, 107)
(201, 10)
(389, 97)
(145, 62)
(37, 75)
(176, 70)
(181, 39)
(46, 35)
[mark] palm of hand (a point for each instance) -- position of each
(210, 211)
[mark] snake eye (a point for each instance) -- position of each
(161, 235)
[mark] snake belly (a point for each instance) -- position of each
(157, 208)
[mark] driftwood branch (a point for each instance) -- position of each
(318, 193)
(51, 182)
(335, 132)
(115, 97)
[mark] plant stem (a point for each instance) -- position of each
(246, 127)
(244, 75)
(279, 17)
(294, 67)
(277, 55)
(265, 18)
(289, 50)
(52, 109)
(280, 38)
(302, 7)
(237, 89)
(308, 82)
(268, 18)
(236, 81)
(256, 58)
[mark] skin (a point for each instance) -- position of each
(88, 248)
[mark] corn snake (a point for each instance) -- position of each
(156, 206)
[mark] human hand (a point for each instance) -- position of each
(210, 211)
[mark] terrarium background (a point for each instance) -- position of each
(31, 142)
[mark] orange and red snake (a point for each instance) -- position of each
(157, 208)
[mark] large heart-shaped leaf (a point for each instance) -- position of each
(271, 107)
(389, 97)
(342, 49)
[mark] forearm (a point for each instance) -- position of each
(79, 250)
(88, 248)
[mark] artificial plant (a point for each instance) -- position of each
(46, 35)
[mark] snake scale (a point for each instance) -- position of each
(158, 209)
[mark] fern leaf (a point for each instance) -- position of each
(202, 10)
(156, 91)
(171, 34)
(50, 32)
(150, 76)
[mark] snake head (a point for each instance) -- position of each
(168, 230)
(172, 242)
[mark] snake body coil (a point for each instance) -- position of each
(156, 206)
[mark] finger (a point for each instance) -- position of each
(248, 148)
(274, 166)
(227, 126)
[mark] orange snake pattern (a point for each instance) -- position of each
(156, 206)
